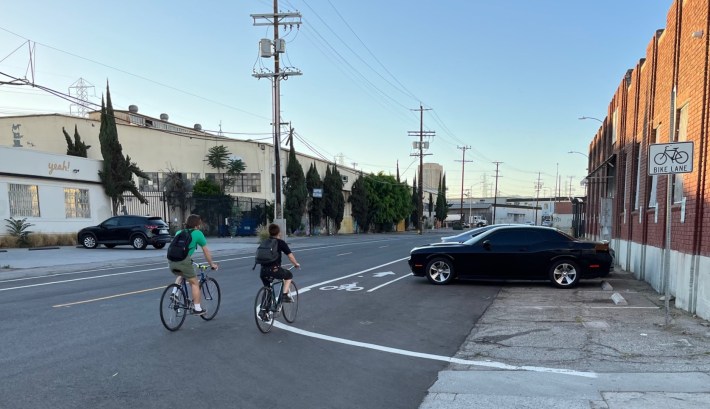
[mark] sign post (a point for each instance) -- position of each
(669, 159)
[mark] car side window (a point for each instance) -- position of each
(552, 236)
(514, 237)
(505, 237)
(112, 222)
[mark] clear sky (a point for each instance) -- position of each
(509, 79)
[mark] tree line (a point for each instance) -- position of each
(378, 202)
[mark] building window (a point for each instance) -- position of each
(680, 136)
(152, 185)
(247, 183)
(652, 199)
(637, 152)
(76, 203)
(24, 200)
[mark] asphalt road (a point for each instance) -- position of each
(93, 338)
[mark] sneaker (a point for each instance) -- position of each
(201, 312)
(286, 298)
(264, 316)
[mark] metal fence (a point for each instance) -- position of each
(231, 216)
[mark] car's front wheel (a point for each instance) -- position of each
(89, 241)
(139, 242)
(440, 271)
(159, 245)
(564, 273)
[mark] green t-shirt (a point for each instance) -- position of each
(198, 238)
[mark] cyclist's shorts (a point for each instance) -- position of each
(276, 272)
(183, 268)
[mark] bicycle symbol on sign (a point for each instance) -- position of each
(673, 154)
(346, 287)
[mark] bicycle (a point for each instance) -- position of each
(175, 304)
(267, 304)
(673, 154)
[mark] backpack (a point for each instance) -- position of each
(267, 252)
(180, 246)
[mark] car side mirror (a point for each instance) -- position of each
(487, 244)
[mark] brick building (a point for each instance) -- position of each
(664, 99)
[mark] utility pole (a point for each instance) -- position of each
(570, 187)
(421, 145)
(463, 165)
(269, 49)
(538, 186)
(495, 194)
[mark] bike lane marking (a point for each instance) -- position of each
(388, 283)
(350, 275)
(487, 364)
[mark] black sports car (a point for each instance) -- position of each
(514, 252)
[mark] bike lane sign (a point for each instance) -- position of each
(670, 158)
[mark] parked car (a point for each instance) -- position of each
(469, 234)
(514, 252)
(138, 231)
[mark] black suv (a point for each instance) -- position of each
(138, 231)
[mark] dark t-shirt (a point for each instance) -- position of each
(283, 248)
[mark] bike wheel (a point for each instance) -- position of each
(173, 307)
(262, 310)
(211, 297)
(290, 309)
(660, 158)
(681, 157)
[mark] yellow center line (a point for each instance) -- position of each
(106, 298)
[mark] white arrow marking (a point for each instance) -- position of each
(382, 274)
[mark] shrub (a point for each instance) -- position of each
(17, 228)
(262, 233)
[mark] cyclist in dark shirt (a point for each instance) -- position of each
(275, 270)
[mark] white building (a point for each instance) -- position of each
(155, 145)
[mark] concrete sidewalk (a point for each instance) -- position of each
(579, 349)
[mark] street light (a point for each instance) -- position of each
(590, 117)
(583, 154)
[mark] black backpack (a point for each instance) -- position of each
(267, 252)
(180, 246)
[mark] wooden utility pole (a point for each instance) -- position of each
(463, 165)
(495, 194)
(269, 49)
(421, 146)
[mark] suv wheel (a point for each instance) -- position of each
(139, 242)
(89, 241)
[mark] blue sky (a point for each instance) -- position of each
(509, 79)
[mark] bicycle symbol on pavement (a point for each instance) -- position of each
(346, 287)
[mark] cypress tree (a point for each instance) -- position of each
(117, 174)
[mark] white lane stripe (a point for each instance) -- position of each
(108, 297)
(488, 364)
(80, 279)
(344, 254)
(389, 282)
(353, 274)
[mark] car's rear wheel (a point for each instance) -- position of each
(139, 242)
(440, 271)
(89, 241)
(159, 245)
(564, 273)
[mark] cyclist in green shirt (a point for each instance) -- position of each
(184, 269)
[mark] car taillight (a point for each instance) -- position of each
(151, 226)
